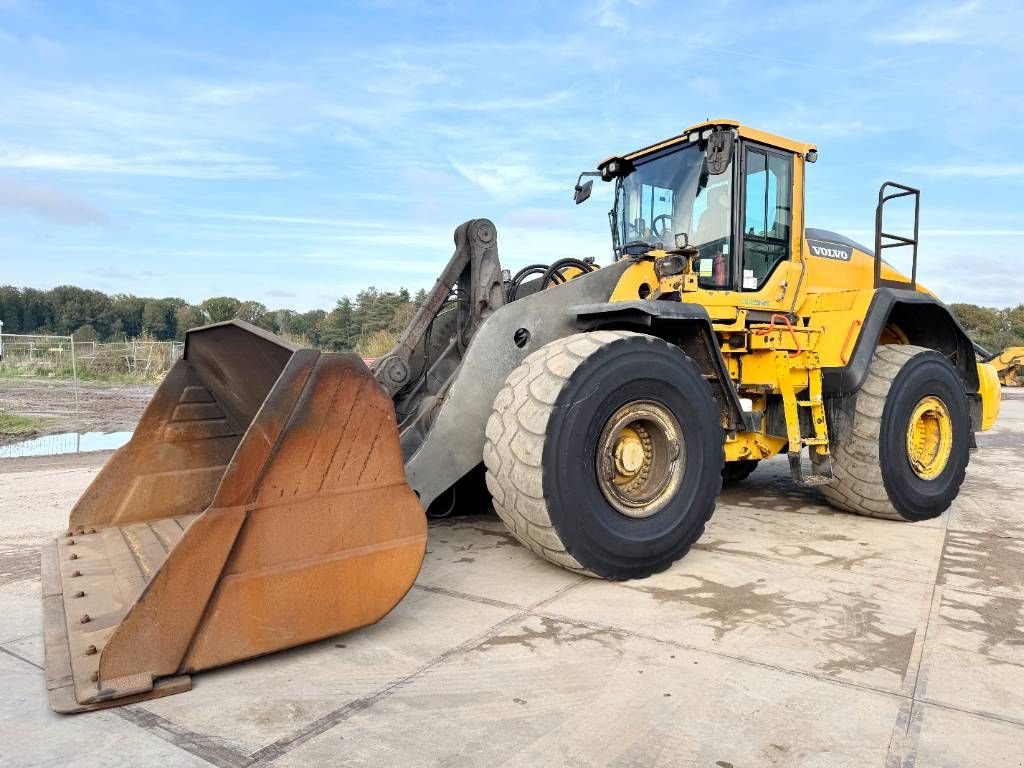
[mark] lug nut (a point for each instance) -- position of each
(92, 530)
(77, 573)
(86, 618)
(71, 543)
(79, 593)
(74, 556)
(90, 650)
(95, 676)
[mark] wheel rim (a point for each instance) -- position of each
(640, 458)
(929, 438)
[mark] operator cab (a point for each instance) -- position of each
(719, 189)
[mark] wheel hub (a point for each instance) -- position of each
(929, 438)
(640, 458)
(630, 453)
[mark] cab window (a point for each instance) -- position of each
(656, 210)
(767, 214)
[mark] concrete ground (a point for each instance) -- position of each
(791, 636)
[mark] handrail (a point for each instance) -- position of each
(846, 343)
(895, 241)
(789, 326)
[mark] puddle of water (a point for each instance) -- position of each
(66, 442)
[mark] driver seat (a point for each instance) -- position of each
(714, 222)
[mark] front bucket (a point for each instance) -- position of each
(260, 504)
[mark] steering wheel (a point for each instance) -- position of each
(666, 219)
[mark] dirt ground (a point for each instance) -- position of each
(101, 407)
(792, 635)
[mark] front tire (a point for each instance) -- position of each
(904, 454)
(604, 453)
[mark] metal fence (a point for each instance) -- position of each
(144, 359)
(62, 357)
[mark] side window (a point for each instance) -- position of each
(767, 214)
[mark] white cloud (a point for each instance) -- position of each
(507, 104)
(112, 273)
(934, 26)
(225, 95)
(970, 170)
(538, 217)
(282, 219)
(961, 273)
(508, 182)
(48, 203)
(972, 233)
(210, 164)
(612, 13)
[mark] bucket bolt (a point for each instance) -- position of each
(79, 593)
(95, 676)
(86, 618)
(76, 573)
(74, 556)
(91, 650)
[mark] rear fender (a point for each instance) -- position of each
(923, 320)
(990, 392)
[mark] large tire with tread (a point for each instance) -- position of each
(871, 460)
(541, 452)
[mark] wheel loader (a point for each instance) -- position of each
(1009, 364)
(272, 496)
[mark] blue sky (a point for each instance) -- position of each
(293, 153)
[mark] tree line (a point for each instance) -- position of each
(993, 329)
(369, 323)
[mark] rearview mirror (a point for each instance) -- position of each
(719, 151)
(583, 191)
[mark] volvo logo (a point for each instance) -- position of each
(830, 250)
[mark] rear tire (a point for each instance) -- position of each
(874, 455)
(548, 441)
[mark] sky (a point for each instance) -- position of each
(291, 153)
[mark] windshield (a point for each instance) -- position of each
(673, 194)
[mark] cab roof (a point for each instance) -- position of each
(745, 132)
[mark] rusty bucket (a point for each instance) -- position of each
(260, 504)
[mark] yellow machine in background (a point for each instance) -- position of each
(273, 495)
(1009, 365)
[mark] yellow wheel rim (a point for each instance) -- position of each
(640, 458)
(929, 438)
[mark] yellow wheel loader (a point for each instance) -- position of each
(272, 496)
(1009, 365)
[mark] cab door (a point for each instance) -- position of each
(765, 220)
